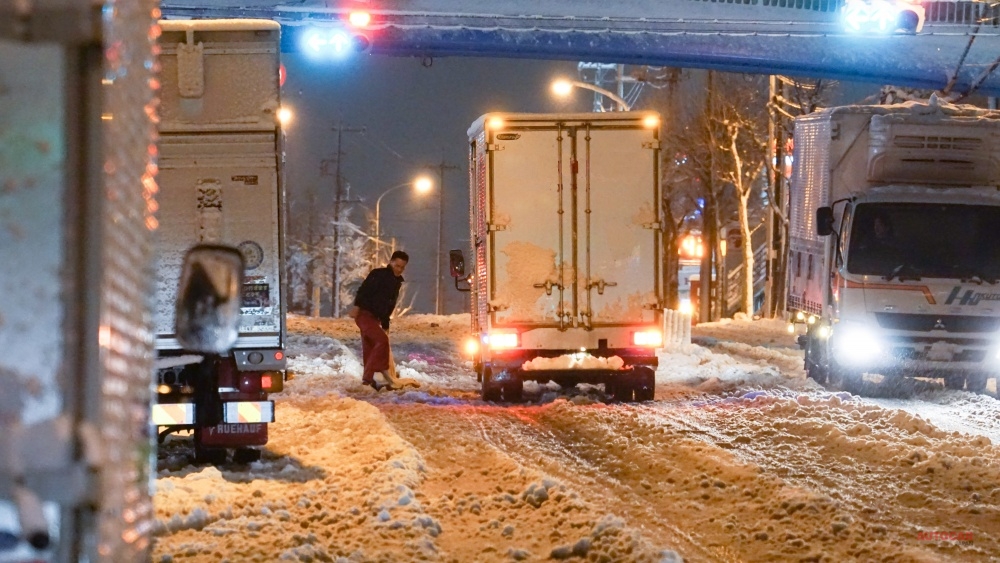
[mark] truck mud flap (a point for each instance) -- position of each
(233, 435)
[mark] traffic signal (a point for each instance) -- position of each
(334, 42)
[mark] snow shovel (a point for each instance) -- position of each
(393, 379)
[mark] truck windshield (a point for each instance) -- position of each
(914, 240)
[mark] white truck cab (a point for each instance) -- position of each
(894, 252)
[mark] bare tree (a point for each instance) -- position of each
(743, 154)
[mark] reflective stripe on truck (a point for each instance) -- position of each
(241, 412)
(176, 413)
(248, 412)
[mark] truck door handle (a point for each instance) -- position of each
(548, 285)
(600, 285)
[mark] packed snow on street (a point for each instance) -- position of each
(739, 458)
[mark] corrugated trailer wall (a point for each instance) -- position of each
(77, 189)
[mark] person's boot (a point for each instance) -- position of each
(390, 383)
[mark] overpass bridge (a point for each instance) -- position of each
(959, 42)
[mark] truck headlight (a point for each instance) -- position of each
(855, 344)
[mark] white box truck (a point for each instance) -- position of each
(220, 178)
(894, 259)
(565, 240)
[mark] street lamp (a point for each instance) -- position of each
(563, 87)
(284, 116)
(421, 184)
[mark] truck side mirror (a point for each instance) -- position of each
(457, 263)
(208, 299)
(824, 221)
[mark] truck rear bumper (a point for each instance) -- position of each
(514, 359)
(573, 376)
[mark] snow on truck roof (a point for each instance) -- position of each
(219, 25)
(935, 108)
(629, 117)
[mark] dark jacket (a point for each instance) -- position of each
(378, 294)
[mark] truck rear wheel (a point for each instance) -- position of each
(637, 386)
(956, 382)
(976, 383)
(509, 389)
(491, 390)
(246, 455)
(209, 456)
(847, 379)
(644, 384)
(815, 369)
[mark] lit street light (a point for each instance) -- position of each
(563, 87)
(284, 116)
(422, 185)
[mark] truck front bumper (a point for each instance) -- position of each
(921, 356)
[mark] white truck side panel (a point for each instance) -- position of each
(32, 231)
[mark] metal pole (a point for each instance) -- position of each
(438, 306)
(772, 178)
(377, 239)
(708, 242)
(437, 271)
(622, 104)
(337, 202)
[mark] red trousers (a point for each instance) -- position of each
(374, 345)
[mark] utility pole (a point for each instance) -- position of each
(442, 166)
(707, 222)
(340, 128)
(772, 178)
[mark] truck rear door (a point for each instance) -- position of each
(619, 265)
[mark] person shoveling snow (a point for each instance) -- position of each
(373, 305)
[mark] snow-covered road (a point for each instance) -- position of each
(740, 458)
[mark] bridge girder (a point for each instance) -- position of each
(732, 37)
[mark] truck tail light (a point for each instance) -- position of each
(360, 18)
(499, 340)
(648, 338)
(470, 346)
(272, 381)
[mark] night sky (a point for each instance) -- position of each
(416, 113)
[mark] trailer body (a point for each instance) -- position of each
(220, 180)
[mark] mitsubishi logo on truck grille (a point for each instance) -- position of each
(938, 325)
